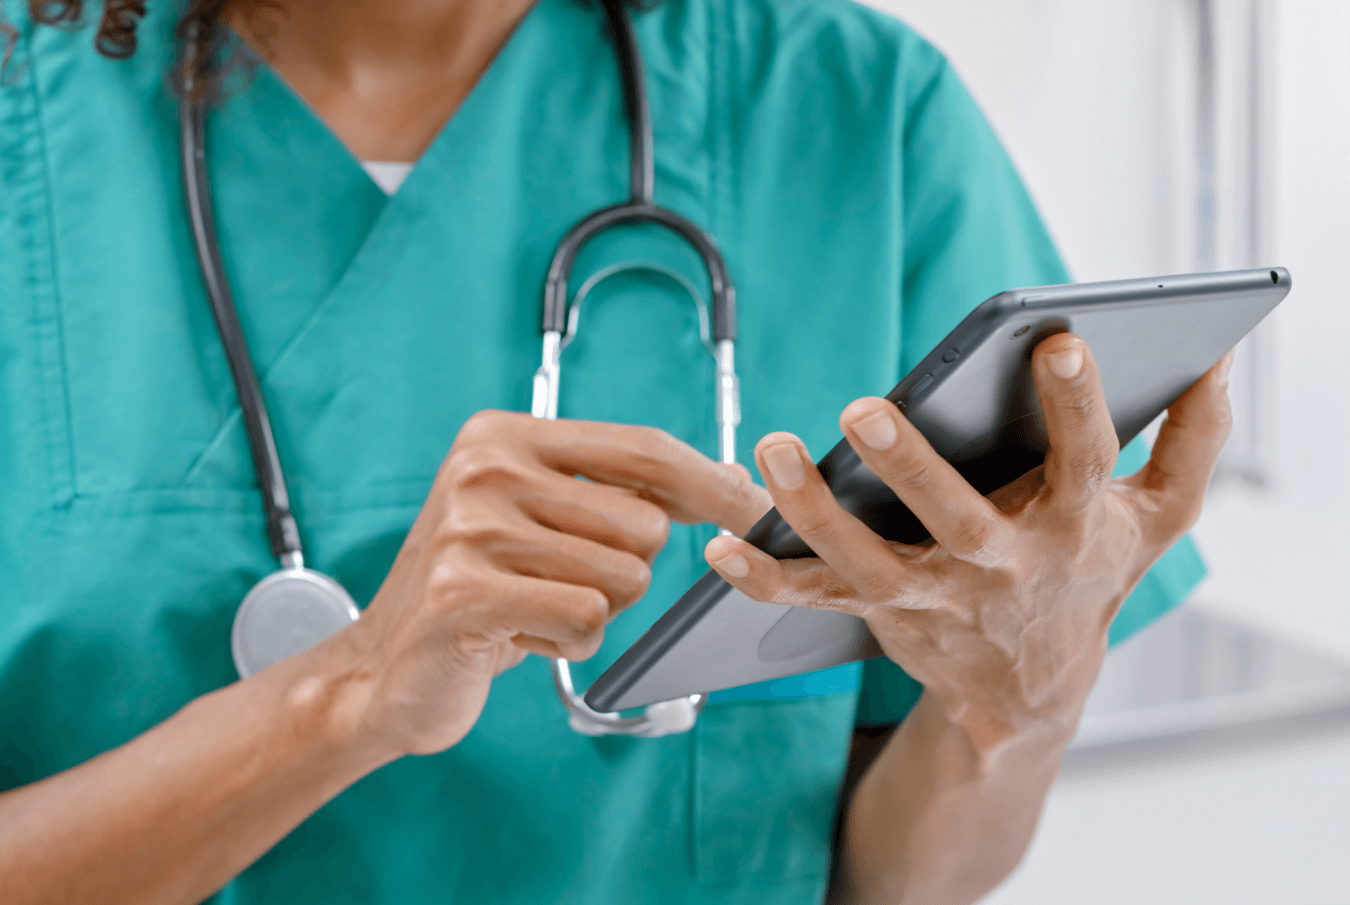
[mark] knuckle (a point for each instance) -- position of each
(1094, 463)
(1079, 404)
(479, 465)
(473, 526)
(589, 614)
(651, 528)
(634, 580)
(910, 469)
(977, 537)
(747, 496)
(658, 449)
(816, 523)
(472, 641)
(739, 472)
(444, 582)
(483, 426)
(1097, 469)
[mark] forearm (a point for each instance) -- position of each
(938, 821)
(175, 813)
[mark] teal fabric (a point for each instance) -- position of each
(863, 205)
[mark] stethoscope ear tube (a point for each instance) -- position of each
(632, 213)
(641, 206)
(679, 715)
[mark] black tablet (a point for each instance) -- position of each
(974, 399)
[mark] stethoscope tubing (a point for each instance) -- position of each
(282, 532)
(679, 715)
(638, 213)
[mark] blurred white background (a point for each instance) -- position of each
(1164, 136)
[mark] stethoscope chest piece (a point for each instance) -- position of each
(287, 612)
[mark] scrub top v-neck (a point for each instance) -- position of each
(863, 206)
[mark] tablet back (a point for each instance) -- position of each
(973, 398)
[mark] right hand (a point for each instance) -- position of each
(511, 554)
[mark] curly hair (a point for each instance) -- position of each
(197, 31)
(116, 36)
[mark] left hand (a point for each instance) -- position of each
(1003, 615)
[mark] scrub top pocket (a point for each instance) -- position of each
(766, 780)
(132, 394)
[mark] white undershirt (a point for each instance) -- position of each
(387, 175)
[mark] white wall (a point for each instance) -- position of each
(1094, 99)
(1281, 559)
(1074, 88)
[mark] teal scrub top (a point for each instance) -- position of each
(863, 205)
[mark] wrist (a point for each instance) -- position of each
(1028, 706)
(325, 698)
(988, 731)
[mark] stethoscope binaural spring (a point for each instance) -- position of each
(296, 607)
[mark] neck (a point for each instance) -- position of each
(384, 74)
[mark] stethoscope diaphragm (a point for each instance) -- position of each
(287, 612)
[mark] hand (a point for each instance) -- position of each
(1003, 616)
(512, 554)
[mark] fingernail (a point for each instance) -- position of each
(785, 465)
(877, 430)
(734, 564)
(1225, 365)
(1065, 365)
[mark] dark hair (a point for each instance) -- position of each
(116, 35)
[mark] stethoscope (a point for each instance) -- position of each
(296, 607)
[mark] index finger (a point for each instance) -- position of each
(688, 485)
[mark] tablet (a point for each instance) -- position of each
(973, 398)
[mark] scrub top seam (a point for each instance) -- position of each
(916, 106)
(896, 201)
(720, 118)
(242, 500)
(714, 83)
(696, 803)
(49, 324)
